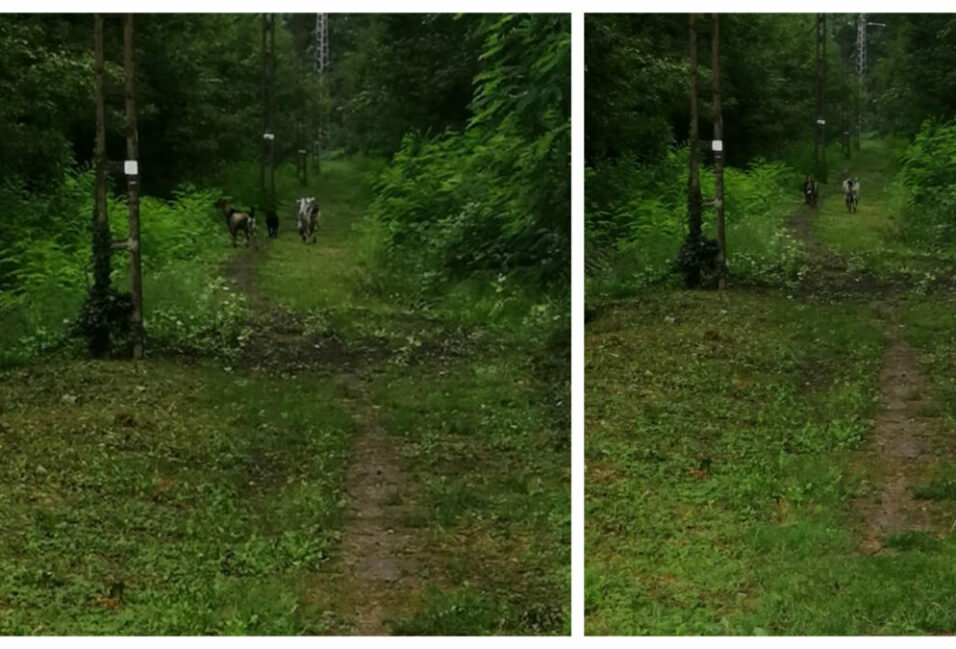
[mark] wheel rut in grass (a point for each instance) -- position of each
(381, 555)
(903, 448)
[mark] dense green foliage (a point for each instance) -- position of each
(495, 197)
(911, 77)
(637, 119)
(393, 73)
(475, 108)
(625, 253)
(636, 81)
(928, 179)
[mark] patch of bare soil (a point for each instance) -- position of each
(902, 452)
(801, 226)
(829, 277)
(281, 340)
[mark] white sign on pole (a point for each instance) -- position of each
(717, 145)
(131, 168)
(268, 136)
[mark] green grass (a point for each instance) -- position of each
(872, 237)
(720, 437)
(494, 464)
(333, 273)
(168, 499)
(930, 327)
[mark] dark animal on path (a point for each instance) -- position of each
(851, 193)
(810, 191)
(308, 218)
(238, 221)
(272, 223)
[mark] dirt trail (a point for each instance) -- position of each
(903, 450)
(381, 555)
(905, 441)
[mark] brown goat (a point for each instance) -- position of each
(238, 221)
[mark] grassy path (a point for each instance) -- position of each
(391, 566)
(840, 244)
(376, 575)
(779, 460)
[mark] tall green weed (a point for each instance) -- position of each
(927, 179)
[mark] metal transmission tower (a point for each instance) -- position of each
(860, 45)
(860, 69)
(861, 62)
(321, 46)
(321, 57)
(820, 139)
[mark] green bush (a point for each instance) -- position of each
(477, 222)
(928, 179)
(636, 221)
(44, 270)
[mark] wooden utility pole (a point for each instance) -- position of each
(820, 137)
(697, 250)
(718, 149)
(694, 220)
(99, 328)
(100, 313)
(268, 153)
(302, 158)
(131, 169)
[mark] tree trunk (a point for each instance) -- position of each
(98, 305)
(265, 119)
(694, 217)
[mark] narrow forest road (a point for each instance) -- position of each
(380, 557)
(906, 443)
